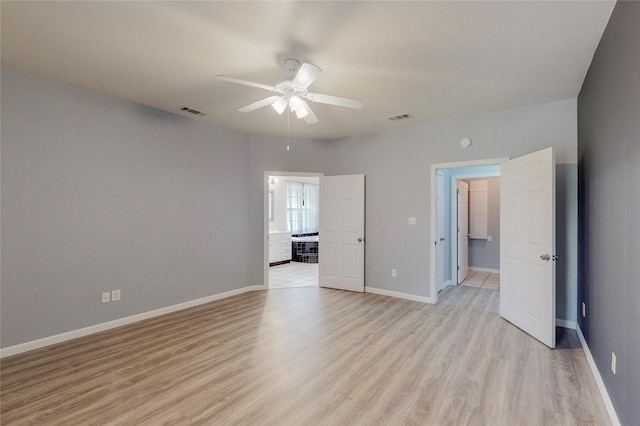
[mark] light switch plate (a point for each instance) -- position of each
(115, 295)
(412, 221)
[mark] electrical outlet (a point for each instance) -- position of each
(584, 310)
(489, 237)
(613, 362)
(106, 297)
(394, 273)
(115, 295)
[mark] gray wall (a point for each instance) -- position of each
(609, 182)
(100, 194)
(397, 166)
(267, 153)
(484, 253)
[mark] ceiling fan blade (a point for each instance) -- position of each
(305, 76)
(259, 104)
(245, 82)
(309, 117)
(335, 100)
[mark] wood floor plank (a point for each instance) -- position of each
(308, 356)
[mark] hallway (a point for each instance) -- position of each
(294, 274)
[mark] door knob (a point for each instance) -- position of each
(545, 257)
(360, 240)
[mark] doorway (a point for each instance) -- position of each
(478, 229)
(528, 240)
(445, 178)
(291, 255)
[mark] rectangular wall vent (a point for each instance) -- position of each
(192, 111)
(400, 117)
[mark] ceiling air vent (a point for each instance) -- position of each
(192, 111)
(400, 117)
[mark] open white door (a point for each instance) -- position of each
(527, 244)
(463, 230)
(341, 251)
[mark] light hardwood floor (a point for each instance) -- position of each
(309, 356)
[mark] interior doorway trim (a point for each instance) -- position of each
(265, 217)
(434, 170)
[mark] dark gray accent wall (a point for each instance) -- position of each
(609, 208)
(101, 194)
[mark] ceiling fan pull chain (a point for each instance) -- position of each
(288, 118)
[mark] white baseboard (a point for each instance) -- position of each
(566, 323)
(475, 269)
(74, 334)
(399, 295)
(599, 382)
(448, 283)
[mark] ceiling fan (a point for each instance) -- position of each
(292, 92)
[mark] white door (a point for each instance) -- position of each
(341, 251)
(440, 239)
(463, 230)
(527, 244)
(478, 209)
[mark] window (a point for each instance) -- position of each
(302, 208)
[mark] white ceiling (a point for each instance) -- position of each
(435, 60)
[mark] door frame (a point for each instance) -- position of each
(433, 209)
(454, 206)
(265, 217)
(440, 243)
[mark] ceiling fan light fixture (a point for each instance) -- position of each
(280, 105)
(295, 103)
(291, 92)
(303, 111)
